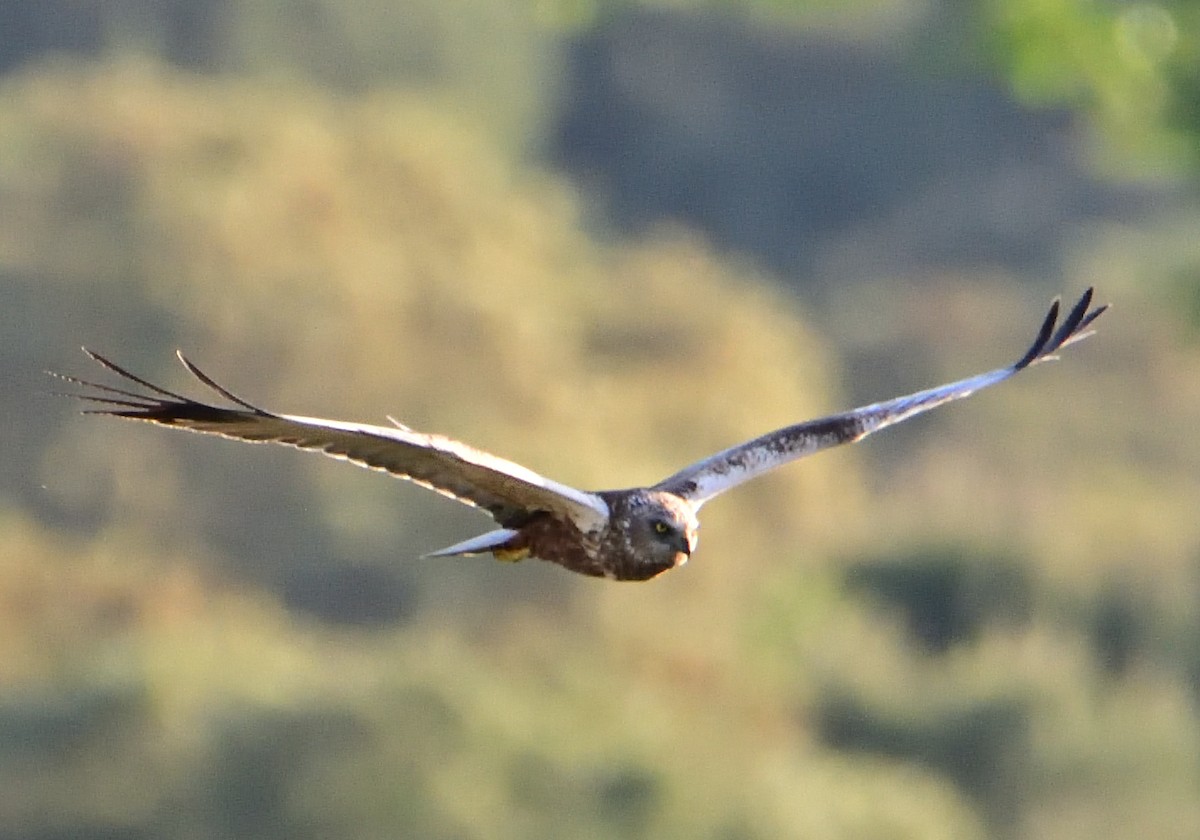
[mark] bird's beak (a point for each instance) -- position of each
(684, 547)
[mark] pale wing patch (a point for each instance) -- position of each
(587, 509)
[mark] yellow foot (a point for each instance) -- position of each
(510, 555)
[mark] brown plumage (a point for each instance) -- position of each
(630, 534)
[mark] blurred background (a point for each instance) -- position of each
(603, 238)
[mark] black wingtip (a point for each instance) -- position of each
(207, 380)
(1047, 329)
(159, 404)
(1073, 328)
(120, 371)
(1093, 315)
(119, 402)
(1071, 324)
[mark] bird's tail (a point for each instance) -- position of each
(484, 543)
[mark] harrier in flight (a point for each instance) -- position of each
(632, 534)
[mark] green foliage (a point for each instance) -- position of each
(480, 57)
(1131, 69)
(567, 15)
(947, 596)
(983, 747)
(353, 256)
(1132, 66)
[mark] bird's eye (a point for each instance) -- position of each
(661, 527)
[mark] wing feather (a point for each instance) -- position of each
(509, 491)
(701, 481)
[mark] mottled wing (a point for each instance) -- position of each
(508, 491)
(705, 479)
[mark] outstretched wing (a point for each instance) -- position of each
(508, 491)
(701, 481)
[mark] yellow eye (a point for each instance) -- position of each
(661, 527)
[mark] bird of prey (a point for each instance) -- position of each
(631, 534)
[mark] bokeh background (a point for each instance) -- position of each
(603, 238)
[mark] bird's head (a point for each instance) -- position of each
(662, 533)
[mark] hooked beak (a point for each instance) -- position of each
(684, 546)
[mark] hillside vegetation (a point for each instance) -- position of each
(981, 626)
